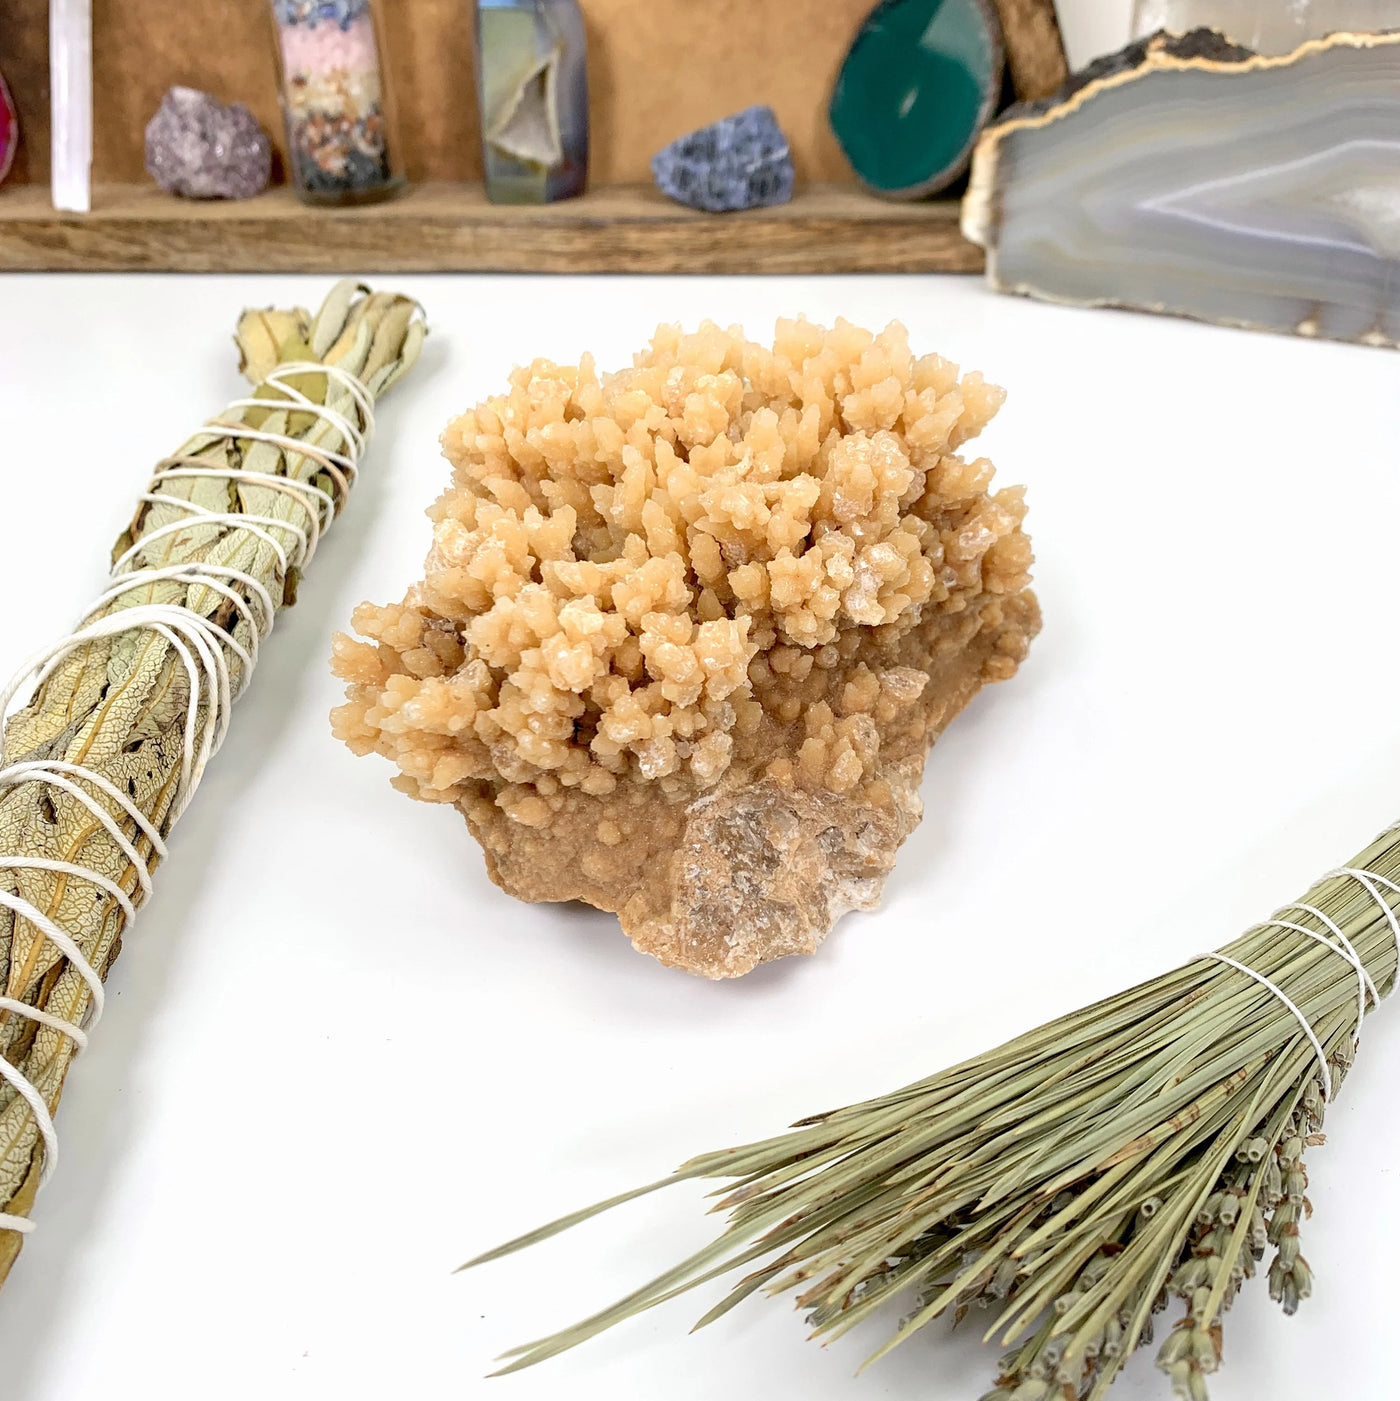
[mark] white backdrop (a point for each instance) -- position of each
(337, 1060)
(1093, 27)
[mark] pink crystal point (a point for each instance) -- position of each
(9, 129)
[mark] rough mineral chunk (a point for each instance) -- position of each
(687, 631)
(740, 162)
(206, 149)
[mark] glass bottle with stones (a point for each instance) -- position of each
(919, 82)
(341, 142)
(532, 93)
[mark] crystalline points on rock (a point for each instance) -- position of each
(1190, 176)
(740, 162)
(202, 148)
(686, 632)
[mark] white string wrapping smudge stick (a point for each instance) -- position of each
(206, 649)
(1338, 943)
(193, 637)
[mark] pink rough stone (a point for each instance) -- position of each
(202, 148)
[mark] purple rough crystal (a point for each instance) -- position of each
(739, 162)
(206, 149)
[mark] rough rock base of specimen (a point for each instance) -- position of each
(1187, 175)
(687, 632)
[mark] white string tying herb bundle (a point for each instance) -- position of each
(1076, 1180)
(124, 713)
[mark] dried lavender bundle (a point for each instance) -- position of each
(1076, 1180)
(100, 762)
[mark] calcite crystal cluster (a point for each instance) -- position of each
(1191, 176)
(687, 631)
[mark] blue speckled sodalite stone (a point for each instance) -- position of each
(740, 162)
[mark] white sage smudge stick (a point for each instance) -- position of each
(124, 714)
(1073, 1181)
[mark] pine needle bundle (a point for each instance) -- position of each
(1075, 1181)
(125, 712)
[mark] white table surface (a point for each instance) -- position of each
(337, 1060)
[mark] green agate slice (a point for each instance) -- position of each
(921, 80)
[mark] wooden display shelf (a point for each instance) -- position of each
(452, 228)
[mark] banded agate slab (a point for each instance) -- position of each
(1191, 177)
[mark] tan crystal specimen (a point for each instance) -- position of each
(687, 631)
